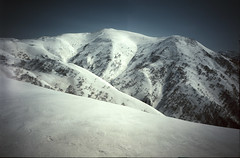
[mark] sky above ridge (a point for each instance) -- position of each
(214, 23)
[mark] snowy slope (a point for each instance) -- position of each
(74, 80)
(35, 121)
(182, 78)
(176, 75)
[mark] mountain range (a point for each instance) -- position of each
(174, 75)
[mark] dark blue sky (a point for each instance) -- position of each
(214, 23)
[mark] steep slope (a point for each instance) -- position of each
(176, 75)
(110, 52)
(181, 78)
(39, 122)
(46, 69)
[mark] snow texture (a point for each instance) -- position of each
(36, 121)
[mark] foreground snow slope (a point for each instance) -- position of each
(39, 122)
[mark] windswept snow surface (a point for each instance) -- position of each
(35, 121)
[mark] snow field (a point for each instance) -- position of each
(41, 122)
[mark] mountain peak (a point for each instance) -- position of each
(176, 75)
(108, 29)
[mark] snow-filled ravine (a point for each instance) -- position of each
(35, 121)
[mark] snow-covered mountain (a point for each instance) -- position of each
(176, 75)
(38, 122)
(40, 67)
